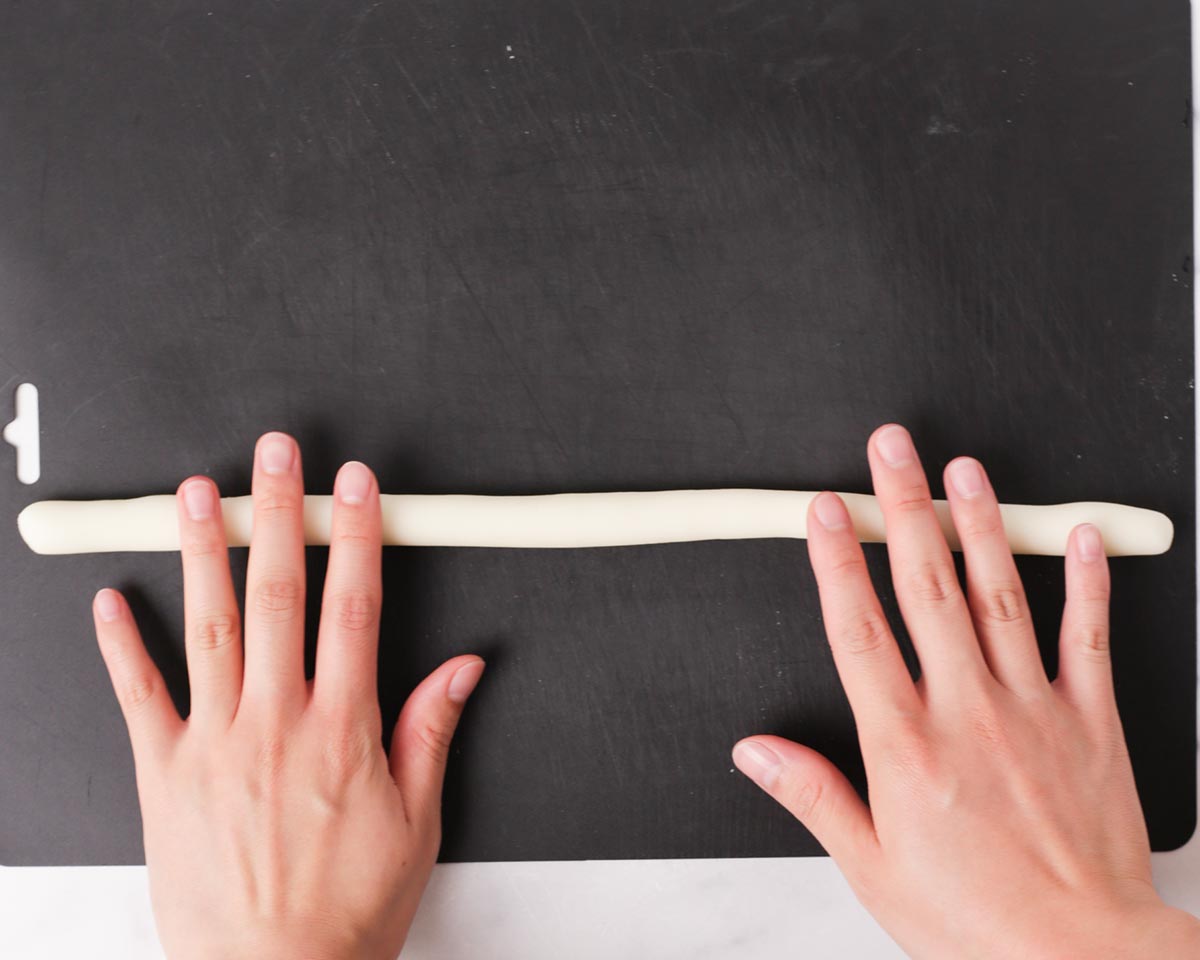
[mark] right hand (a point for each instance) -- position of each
(1003, 821)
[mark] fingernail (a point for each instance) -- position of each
(464, 680)
(831, 512)
(761, 764)
(198, 499)
(277, 452)
(966, 477)
(108, 605)
(1089, 543)
(895, 446)
(353, 482)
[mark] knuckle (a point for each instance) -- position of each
(270, 757)
(215, 631)
(278, 597)
(1092, 593)
(355, 610)
(804, 799)
(987, 726)
(347, 749)
(986, 525)
(1002, 604)
(865, 635)
(914, 499)
(933, 583)
(204, 546)
(911, 759)
(434, 740)
(847, 565)
(355, 534)
(137, 690)
(1092, 640)
(276, 502)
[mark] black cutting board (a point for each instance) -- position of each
(516, 247)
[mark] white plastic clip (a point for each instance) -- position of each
(23, 433)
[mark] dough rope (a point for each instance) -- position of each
(570, 520)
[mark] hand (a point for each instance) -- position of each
(274, 823)
(1003, 819)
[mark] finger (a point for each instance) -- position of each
(868, 660)
(275, 578)
(927, 589)
(1084, 661)
(150, 715)
(817, 794)
(212, 627)
(348, 637)
(999, 609)
(421, 741)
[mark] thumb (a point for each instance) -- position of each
(816, 793)
(421, 740)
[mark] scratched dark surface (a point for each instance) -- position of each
(526, 246)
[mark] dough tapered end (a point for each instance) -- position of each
(28, 527)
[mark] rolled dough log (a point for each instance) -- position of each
(574, 520)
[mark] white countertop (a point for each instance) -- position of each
(589, 910)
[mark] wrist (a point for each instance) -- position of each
(288, 942)
(1163, 932)
(1145, 931)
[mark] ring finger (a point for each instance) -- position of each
(999, 609)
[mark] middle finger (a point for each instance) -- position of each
(275, 578)
(926, 582)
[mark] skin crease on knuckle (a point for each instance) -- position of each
(433, 739)
(804, 795)
(1092, 639)
(980, 527)
(137, 689)
(847, 566)
(278, 504)
(204, 547)
(866, 634)
(215, 631)
(1001, 604)
(989, 728)
(347, 749)
(933, 583)
(355, 609)
(269, 764)
(914, 499)
(278, 597)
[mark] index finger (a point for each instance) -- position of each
(348, 635)
(867, 657)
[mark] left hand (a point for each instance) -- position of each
(275, 825)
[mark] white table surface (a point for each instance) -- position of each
(587, 910)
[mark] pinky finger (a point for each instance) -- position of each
(150, 715)
(1084, 662)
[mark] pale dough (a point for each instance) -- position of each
(574, 520)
